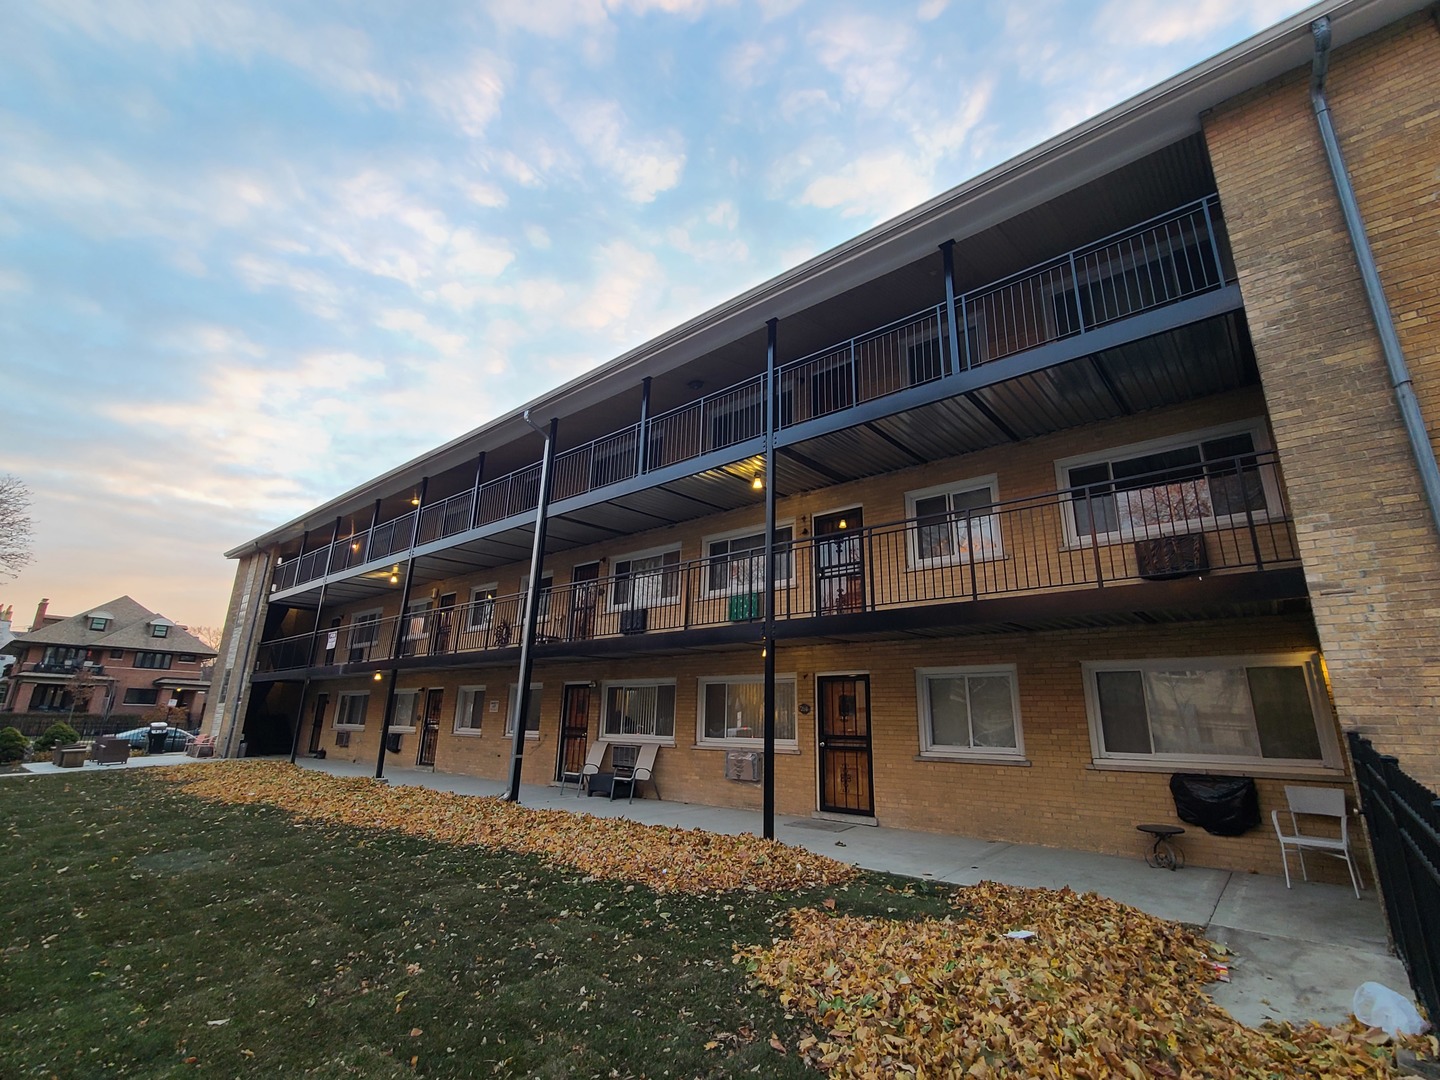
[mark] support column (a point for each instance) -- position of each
(399, 634)
(957, 362)
(314, 637)
(532, 605)
(642, 441)
(767, 812)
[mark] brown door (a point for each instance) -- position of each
(844, 733)
(318, 725)
(430, 732)
(583, 596)
(839, 563)
(574, 732)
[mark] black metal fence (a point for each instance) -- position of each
(86, 726)
(1404, 820)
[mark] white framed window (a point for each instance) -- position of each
(645, 579)
(99, 623)
(970, 713)
(1182, 483)
(417, 618)
(732, 710)
(1216, 710)
(160, 629)
(365, 628)
(639, 711)
(469, 709)
(953, 523)
(735, 562)
(350, 712)
(480, 613)
(532, 712)
(407, 704)
(542, 602)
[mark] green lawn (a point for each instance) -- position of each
(154, 934)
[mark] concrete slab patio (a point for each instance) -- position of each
(1300, 953)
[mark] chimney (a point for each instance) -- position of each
(40, 610)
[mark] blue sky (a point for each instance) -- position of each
(254, 253)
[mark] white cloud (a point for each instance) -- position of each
(644, 165)
(312, 289)
(873, 56)
(538, 237)
(876, 185)
(1162, 22)
(13, 280)
(418, 326)
(470, 96)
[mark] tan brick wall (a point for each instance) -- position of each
(1371, 554)
(1059, 799)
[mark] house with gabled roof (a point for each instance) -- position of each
(132, 657)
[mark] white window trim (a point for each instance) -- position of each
(461, 693)
(1319, 705)
(340, 709)
(418, 616)
(912, 532)
(1260, 438)
(731, 680)
(355, 617)
(625, 739)
(648, 553)
(492, 587)
(947, 752)
(506, 730)
(707, 593)
(410, 727)
(546, 597)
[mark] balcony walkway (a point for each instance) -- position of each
(1289, 963)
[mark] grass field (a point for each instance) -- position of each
(149, 933)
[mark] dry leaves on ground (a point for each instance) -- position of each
(1101, 990)
(666, 859)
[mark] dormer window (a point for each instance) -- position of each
(160, 629)
(98, 622)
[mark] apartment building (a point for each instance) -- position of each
(1087, 472)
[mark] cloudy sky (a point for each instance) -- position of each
(253, 253)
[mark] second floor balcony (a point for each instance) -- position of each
(1225, 517)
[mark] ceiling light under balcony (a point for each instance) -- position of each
(757, 482)
(378, 676)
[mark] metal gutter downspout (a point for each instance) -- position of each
(1420, 445)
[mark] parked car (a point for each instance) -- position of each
(174, 739)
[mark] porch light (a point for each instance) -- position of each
(378, 676)
(414, 500)
(757, 482)
(395, 574)
(840, 524)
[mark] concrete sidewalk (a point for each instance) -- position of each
(1300, 953)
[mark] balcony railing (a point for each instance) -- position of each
(61, 667)
(1222, 516)
(1158, 262)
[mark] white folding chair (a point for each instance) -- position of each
(594, 755)
(1315, 802)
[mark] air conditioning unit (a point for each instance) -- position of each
(634, 621)
(1168, 557)
(742, 765)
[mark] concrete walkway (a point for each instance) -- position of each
(1300, 953)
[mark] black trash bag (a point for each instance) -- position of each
(1221, 805)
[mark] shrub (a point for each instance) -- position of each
(12, 746)
(61, 734)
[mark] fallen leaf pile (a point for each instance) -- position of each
(1100, 990)
(666, 859)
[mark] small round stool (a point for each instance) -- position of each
(1164, 855)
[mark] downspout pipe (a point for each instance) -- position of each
(1420, 445)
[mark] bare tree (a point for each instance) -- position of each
(210, 635)
(82, 687)
(14, 525)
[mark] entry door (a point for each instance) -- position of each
(839, 563)
(430, 733)
(318, 726)
(444, 625)
(583, 597)
(574, 731)
(844, 733)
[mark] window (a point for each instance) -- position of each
(99, 623)
(350, 712)
(417, 618)
(1168, 486)
(532, 711)
(970, 712)
(407, 703)
(646, 579)
(469, 707)
(639, 710)
(733, 709)
(159, 629)
(186, 658)
(542, 604)
(481, 612)
(153, 659)
(1215, 710)
(736, 564)
(364, 628)
(117, 654)
(135, 695)
(953, 524)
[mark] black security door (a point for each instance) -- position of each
(844, 733)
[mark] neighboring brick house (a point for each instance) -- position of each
(134, 657)
(1086, 472)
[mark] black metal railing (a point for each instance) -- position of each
(1228, 515)
(62, 667)
(1403, 816)
(1160, 261)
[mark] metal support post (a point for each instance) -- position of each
(767, 813)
